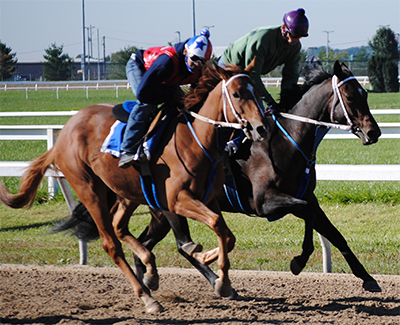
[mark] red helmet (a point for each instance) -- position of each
(296, 22)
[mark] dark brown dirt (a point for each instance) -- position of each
(88, 295)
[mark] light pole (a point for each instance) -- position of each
(83, 58)
(194, 18)
(327, 42)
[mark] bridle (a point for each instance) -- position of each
(336, 93)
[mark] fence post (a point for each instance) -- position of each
(326, 254)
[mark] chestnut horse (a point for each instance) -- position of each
(187, 154)
(269, 174)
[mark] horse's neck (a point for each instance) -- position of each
(211, 109)
(314, 105)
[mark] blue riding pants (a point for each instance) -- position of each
(140, 116)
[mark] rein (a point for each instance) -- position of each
(227, 124)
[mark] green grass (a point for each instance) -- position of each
(365, 212)
(372, 231)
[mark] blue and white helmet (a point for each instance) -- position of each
(199, 46)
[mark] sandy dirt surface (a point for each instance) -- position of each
(88, 295)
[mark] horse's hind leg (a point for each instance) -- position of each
(159, 226)
(122, 213)
(93, 195)
(323, 225)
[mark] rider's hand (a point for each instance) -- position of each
(274, 108)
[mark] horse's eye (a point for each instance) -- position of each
(236, 94)
(349, 98)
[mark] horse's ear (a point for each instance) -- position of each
(250, 67)
(341, 70)
(337, 70)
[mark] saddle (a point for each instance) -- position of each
(147, 147)
(121, 113)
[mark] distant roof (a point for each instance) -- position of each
(218, 50)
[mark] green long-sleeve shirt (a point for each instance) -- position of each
(271, 50)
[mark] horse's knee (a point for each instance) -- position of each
(112, 248)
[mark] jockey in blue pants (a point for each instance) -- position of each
(155, 75)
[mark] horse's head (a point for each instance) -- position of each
(350, 105)
(242, 103)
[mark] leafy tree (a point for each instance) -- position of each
(332, 57)
(7, 62)
(382, 66)
(58, 66)
(116, 69)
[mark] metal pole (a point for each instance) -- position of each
(327, 43)
(83, 67)
(194, 18)
(104, 54)
(98, 55)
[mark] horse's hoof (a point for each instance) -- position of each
(153, 307)
(372, 286)
(190, 248)
(223, 289)
(295, 267)
(151, 281)
(233, 296)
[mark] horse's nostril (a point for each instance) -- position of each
(262, 130)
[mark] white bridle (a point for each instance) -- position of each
(336, 92)
(227, 99)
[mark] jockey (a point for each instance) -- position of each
(272, 47)
(155, 75)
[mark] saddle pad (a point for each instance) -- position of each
(112, 143)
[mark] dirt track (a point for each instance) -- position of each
(88, 295)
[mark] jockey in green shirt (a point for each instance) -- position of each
(272, 46)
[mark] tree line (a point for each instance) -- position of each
(381, 65)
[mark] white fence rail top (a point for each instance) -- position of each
(358, 172)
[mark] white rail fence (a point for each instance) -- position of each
(113, 84)
(324, 172)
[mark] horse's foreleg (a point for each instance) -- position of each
(275, 203)
(122, 214)
(187, 206)
(323, 225)
(298, 263)
(187, 248)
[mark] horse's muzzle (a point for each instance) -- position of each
(369, 137)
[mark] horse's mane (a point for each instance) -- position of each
(212, 74)
(313, 74)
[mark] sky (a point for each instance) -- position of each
(29, 27)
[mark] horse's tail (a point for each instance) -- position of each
(30, 182)
(81, 223)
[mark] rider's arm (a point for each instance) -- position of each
(152, 90)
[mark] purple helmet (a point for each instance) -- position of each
(296, 22)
